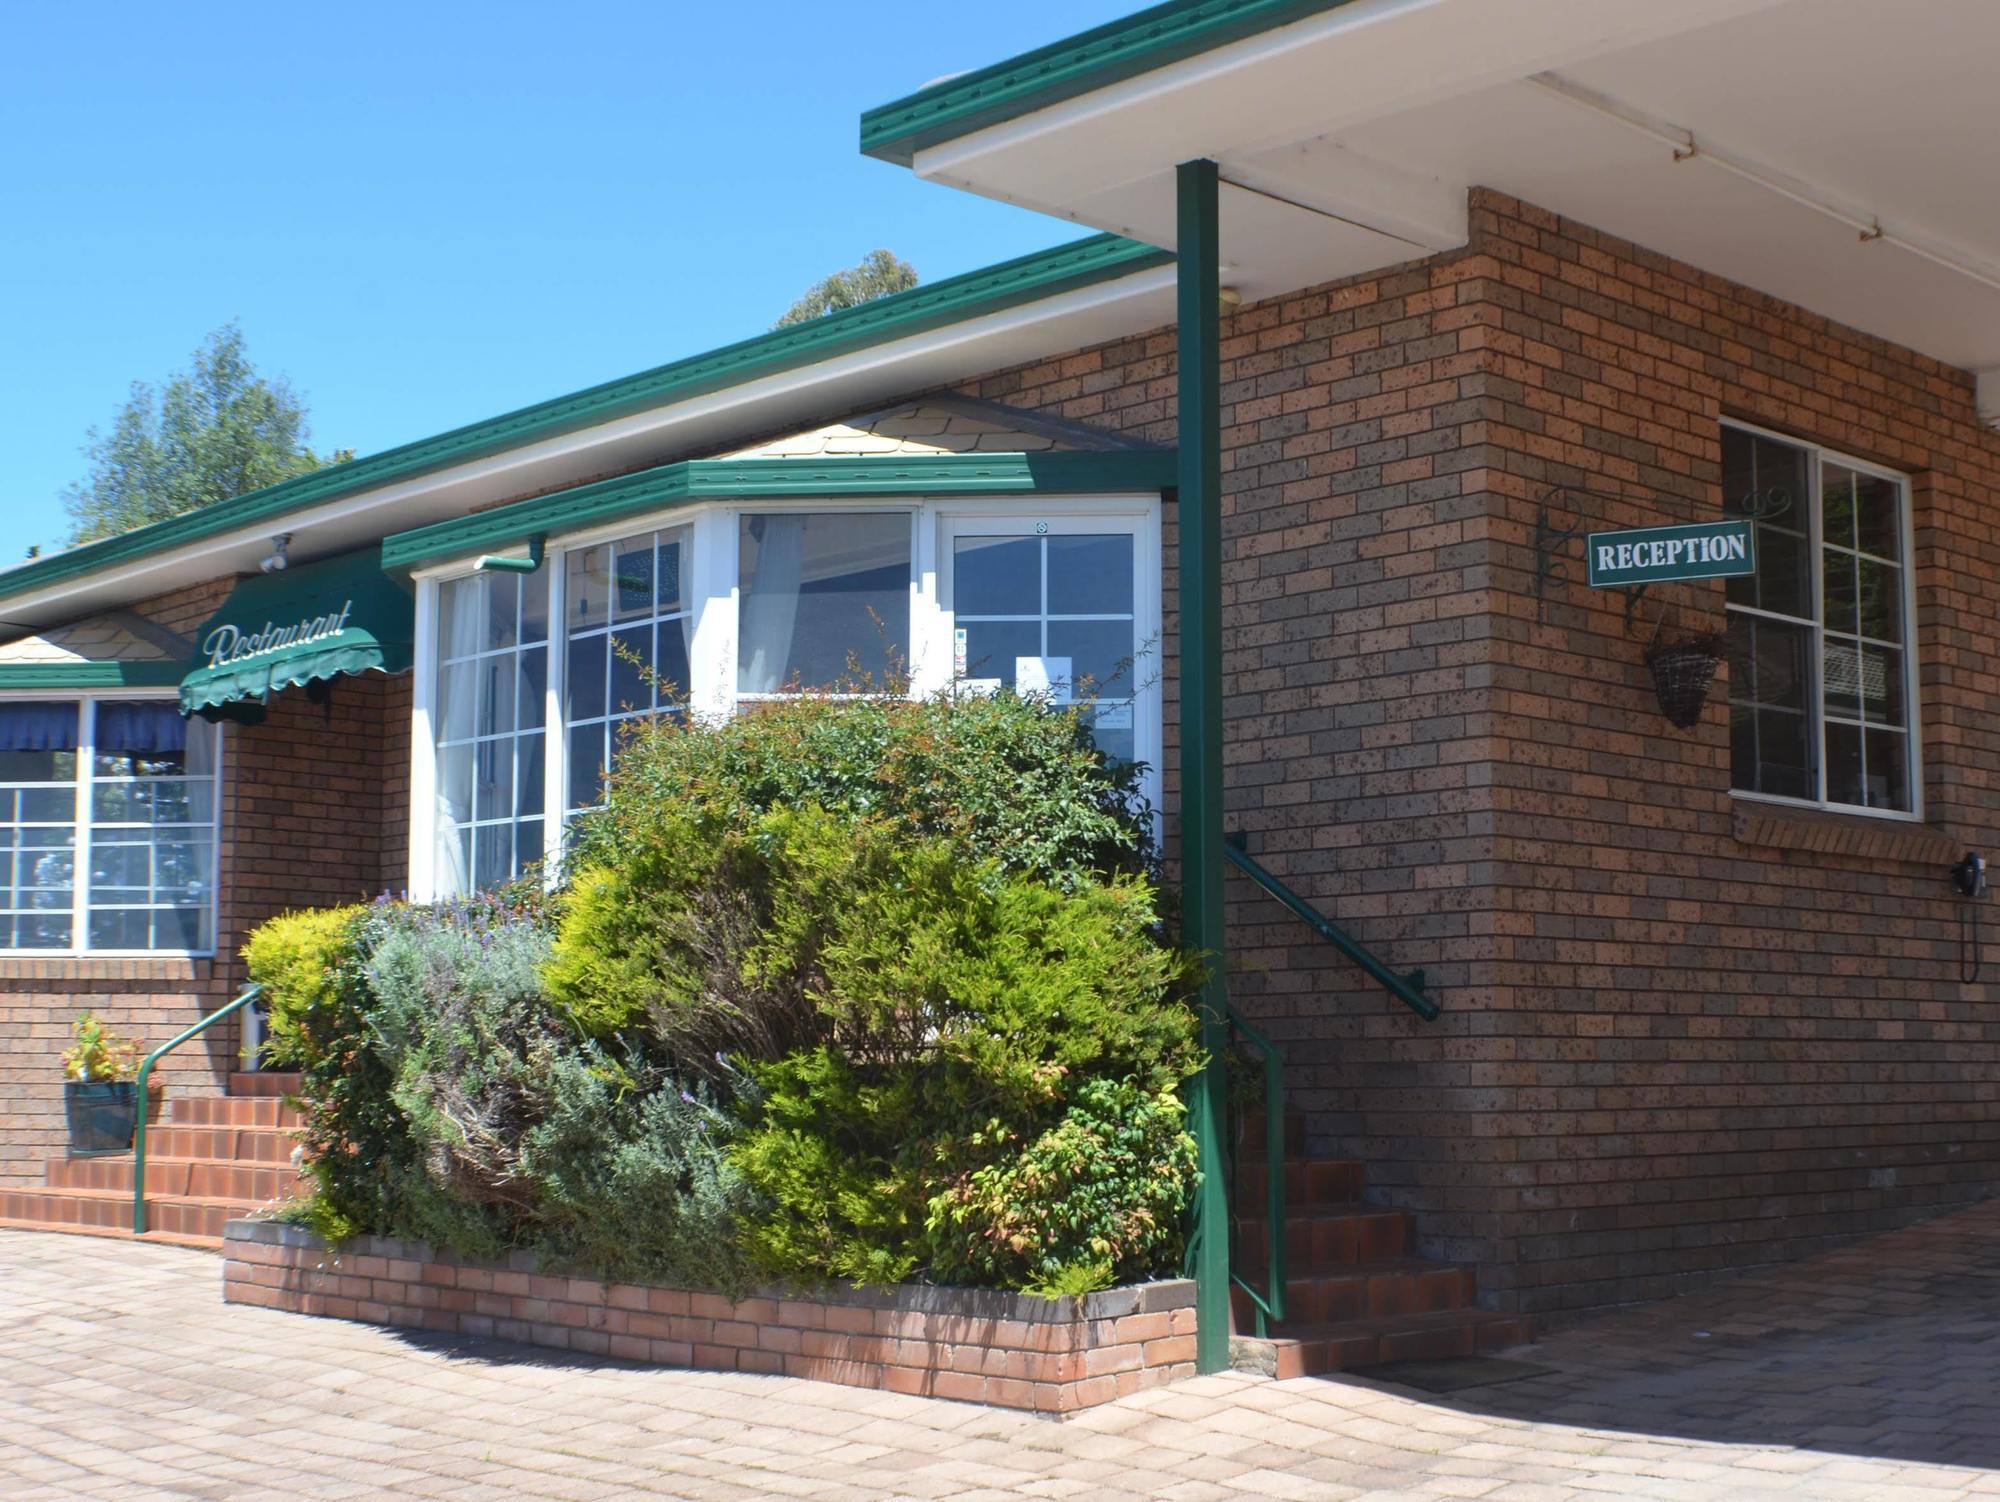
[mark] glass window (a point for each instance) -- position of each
(629, 624)
(823, 602)
(491, 711)
(129, 787)
(1818, 637)
(1057, 607)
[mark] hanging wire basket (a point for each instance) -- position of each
(1682, 673)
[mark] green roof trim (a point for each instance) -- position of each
(59, 675)
(1075, 66)
(1123, 471)
(1025, 279)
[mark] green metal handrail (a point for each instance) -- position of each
(1408, 989)
(250, 994)
(1269, 1308)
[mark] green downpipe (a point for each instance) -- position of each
(502, 563)
(249, 994)
(1199, 510)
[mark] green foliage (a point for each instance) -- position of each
(212, 432)
(999, 777)
(961, 1008)
(1096, 1199)
(298, 958)
(97, 1053)
(879, 274)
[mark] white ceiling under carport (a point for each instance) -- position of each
(1347, 142)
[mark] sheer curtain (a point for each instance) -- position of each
(770, 601)
(458, 636)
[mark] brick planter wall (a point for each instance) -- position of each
(1052, 1356)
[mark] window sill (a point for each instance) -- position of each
(168, 969)
(1822, 832)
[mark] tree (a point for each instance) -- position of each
(213, 431)
(879, 274)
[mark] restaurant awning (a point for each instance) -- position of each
(312, 621)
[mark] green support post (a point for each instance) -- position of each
(1199, 510)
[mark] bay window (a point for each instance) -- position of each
(123, 791)
(1822, 682)
(531, 678)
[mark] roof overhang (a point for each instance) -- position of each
(1094, 289)
(1834, 153)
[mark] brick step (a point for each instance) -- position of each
(1309, 1184)
(1329, 1236)
(263, 1082)
(116, 1233)
(198, 1178)
(246, 1146)
(1368, 1290)
(108, 1210)
(1351, 1345)
(231, 1110)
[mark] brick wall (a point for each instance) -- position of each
(1680, 1034)
(1053, 1356)
(314, 809)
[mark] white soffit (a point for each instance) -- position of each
(1814, 120)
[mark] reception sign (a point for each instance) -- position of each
(1656, 555)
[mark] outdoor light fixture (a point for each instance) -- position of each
(278, 559)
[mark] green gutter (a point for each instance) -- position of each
(1011, 284)
(1075, 66)
(1123, 471)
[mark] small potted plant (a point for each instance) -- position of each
(1683, 668)
(99, 1096)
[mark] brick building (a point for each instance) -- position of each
(1453, 287)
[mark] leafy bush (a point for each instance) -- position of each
(297, 957)
(999, 777)
(1095, 1200)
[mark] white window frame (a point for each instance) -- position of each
(86, 770)
(1818, 456)
(714, 598)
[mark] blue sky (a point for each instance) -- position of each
(428, 213)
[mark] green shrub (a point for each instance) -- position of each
(962, 1008)
(1097, 1199)
(999, 777)
(297, 957)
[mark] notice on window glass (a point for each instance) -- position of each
(1112, 717)
(1043, 675)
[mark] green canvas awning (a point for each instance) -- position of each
(314, 621)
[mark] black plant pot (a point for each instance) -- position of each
(1682, 673)
(103, 1115)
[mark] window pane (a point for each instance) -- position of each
(1839, 591)
(992, 646)
(1100, 654)
(1888, 769)
(457, 697)
(182, 928)
(37, 932)
(1881, 686)
(530, 780)
(1840, 676)
(1843, 764)
(1836, 506)
(632, 578)
(497, 679)
(458, 617)
(1878, 515)
(632, 670)
(503, 610)
(1768, 663)
(667, 587)
(1880, 591)
(535, 606)
(1766, 480)
(671, 661)
(585, 699)
(120, 928)
(586, 765)
(1770, 730)
(1111, 727)
(997, 576)
(588, 586)
(825, 601)
(531, 701)
(492, 856)
(493, 779)
(1090, 575)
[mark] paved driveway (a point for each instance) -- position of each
(1872, 1374)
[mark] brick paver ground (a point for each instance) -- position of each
(1871, 1374)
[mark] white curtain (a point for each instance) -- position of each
(463, 603)
(771, 602)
